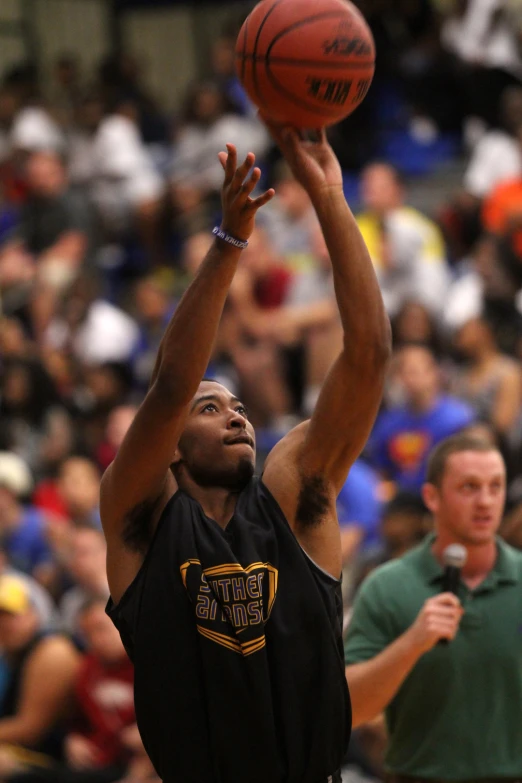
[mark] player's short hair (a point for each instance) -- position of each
(462, 441)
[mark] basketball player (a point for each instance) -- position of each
(225, 587)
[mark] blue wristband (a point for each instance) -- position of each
(239, 243)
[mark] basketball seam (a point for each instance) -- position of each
(243, 64)
(300, 23)
(306, 63)
(254, 52)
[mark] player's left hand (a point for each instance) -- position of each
(313, 163)
(239, 209)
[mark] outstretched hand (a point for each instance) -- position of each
(239, 209)
(313, 163)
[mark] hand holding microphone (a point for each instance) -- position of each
(438, 620)
(454, 558)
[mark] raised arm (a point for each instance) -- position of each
(350, 397)
(137, 484)
(322, 451)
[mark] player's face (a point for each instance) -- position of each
(217, 447)
(470, 501)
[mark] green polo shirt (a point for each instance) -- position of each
(458, 714)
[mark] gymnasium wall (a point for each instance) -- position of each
(45, 28)
(171, 43)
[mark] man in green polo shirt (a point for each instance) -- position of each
(454, 710)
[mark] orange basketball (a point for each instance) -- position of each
(306, 63)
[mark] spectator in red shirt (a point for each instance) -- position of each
(104, 695)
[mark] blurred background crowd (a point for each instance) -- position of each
(107, 202)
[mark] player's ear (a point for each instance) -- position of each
(176, 458)
(430, 496)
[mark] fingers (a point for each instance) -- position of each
(235, 175)
(223, 157)
(263, 199)
(446, 613)
(287, 135)
(239, 208)
(289, 138)
(441, 627)
(251, 183)
(294, 140)
(228, 160)
(446, 599)
(447, 632)
(445, 605)
(278, 132)
(242, 171)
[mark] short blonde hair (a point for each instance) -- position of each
(462, 441)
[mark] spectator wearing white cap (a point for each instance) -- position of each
(22, 526)
(94, 330)
(34, 130)
(25, 127)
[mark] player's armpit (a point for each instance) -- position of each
(140, 470)
(138, 484)
(281, 470)
(306, 469)
(307, 502)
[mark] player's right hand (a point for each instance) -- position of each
(439, 618)
(313, 163)
(239, 209)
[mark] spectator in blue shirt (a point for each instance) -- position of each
(359, 512)
(405, 433)
(23, 527)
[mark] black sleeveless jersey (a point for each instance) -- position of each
(235, 636)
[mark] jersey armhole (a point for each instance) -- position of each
(313, 565)
(114, 609)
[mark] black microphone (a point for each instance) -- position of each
(454, 558)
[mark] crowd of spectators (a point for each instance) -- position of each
(107, 203)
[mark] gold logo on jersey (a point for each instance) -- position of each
(232, 603)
